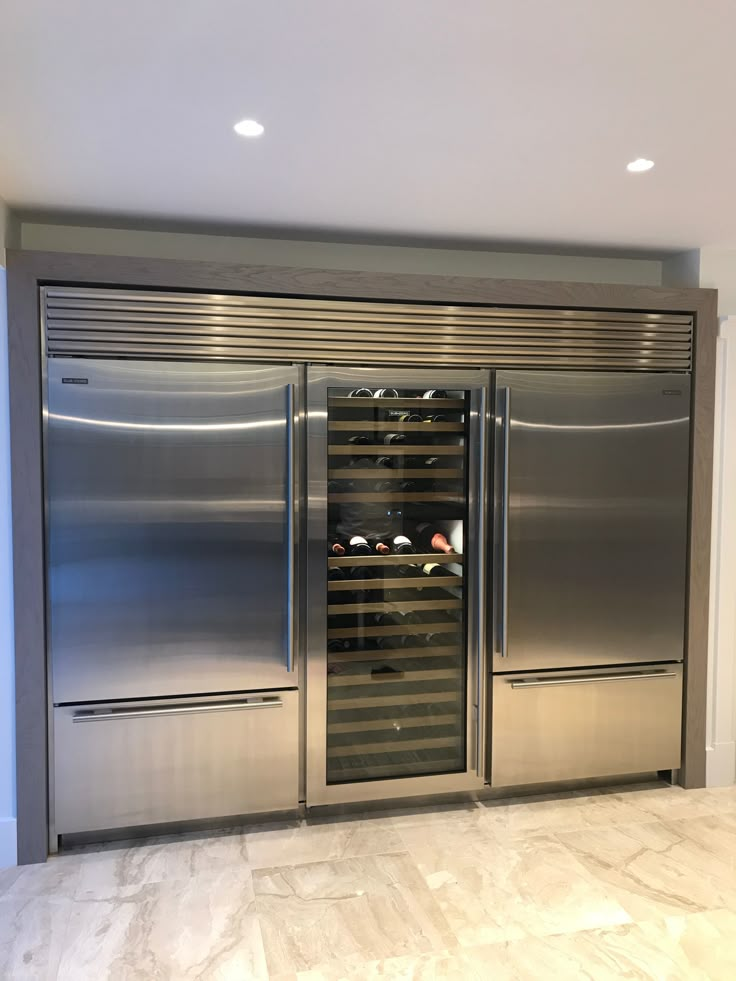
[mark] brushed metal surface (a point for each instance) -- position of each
(159, 763)
(110, 323)
(168, 516)
(597, 516)
(319, 792)
(572, 731)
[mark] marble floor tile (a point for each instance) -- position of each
(320, 843)
(32, 935)
(205, 929)
(55, 879)
(700, 947)
(124, 864)
(368, 907)
(658, 868)
(494, 889)
(535, 817)
(663, 803)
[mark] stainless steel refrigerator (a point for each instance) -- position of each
(589, 574)
(172, 540)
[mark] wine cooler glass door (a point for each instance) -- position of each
(396, 628)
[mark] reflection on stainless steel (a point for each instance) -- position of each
(567, 728)
(157, 762)
(167, 512)
(597, 509)
(167, 427)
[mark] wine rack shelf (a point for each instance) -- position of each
(337, 633)
(405, 582)
(398, 744)
(420, 558)
(400, 654)
(361, 426)
(391, 725)
(341, 449)
(394, 473)
(399, 678)
(385, 700)
(345, 402)
(394, 498)
(394, 606)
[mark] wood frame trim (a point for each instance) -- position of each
(29, 270)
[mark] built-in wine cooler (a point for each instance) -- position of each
(396, 622)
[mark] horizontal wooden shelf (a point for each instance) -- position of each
(392, 654)
(402, 449)
(405, 582)
(392, 473)
(394, 426)
(401, 678)
(415, 629)
(382, 701)
(387, 725)
(399, 746)
(415, 401)
(394, 606)
(391, 497)
(416, 558)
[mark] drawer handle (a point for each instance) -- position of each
(145, 713)
(592, 680)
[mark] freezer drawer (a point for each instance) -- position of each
(118, 767)
(571, 725)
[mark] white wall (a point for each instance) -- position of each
(721, 721)
(331, 255)
(7, 696)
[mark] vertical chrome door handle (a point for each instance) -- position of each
(481, 587)
(291, 613)
(503, 612)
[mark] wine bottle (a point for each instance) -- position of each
(403, 415)
(420, 462)
(407, 486)
(359, 439)
(436, 417)
(336, 486)
(390, 438)
(403, 545)
(441, 571)
(389, 643)
(336, 548)
(384, 461)
(385, 393)
(361, 572)
(431, 539)
(336, 646)
(361, 393)
(435, 393)
(336, 574)
(359, 546)
(382, 548)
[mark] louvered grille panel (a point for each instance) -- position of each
(144, 324)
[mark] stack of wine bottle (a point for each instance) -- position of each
(396, 621)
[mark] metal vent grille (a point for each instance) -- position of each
(106, 323)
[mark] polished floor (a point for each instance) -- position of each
(628, 883)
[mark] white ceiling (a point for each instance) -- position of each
(488, 120)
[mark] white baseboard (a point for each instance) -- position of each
(720, 765)
(8, 843)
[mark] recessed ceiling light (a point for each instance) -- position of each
(248, 127)
(639, 165)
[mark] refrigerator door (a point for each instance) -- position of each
(396, 629)
(171, 528)
(591, 495)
